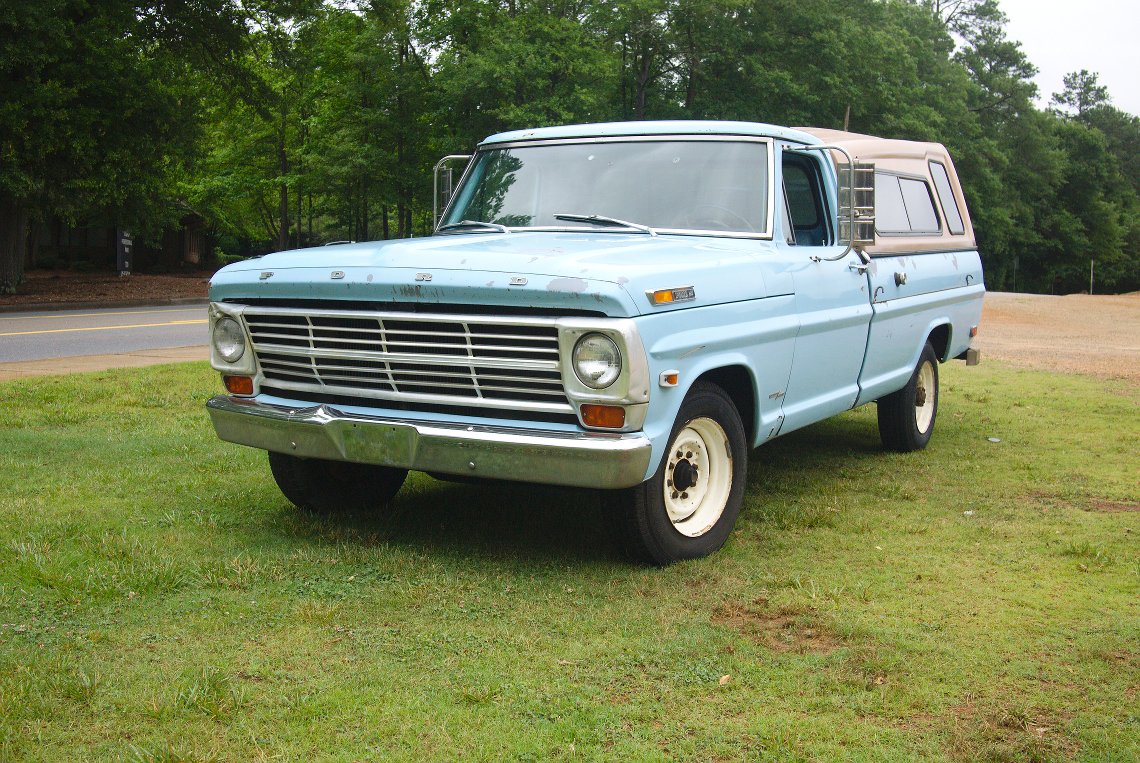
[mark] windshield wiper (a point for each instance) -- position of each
(603, 220)
(475, 224)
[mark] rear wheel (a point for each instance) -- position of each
(906, 417)
(687, 509)
(330, 487)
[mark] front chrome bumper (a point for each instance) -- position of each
(576, 459)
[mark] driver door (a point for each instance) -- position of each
(832, 302)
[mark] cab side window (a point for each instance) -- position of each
(804, 201)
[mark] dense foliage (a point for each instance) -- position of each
(300, 121)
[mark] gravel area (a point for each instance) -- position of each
(1095, 335)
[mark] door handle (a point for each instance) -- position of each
(859, 267)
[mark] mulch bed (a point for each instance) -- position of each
(47, 287)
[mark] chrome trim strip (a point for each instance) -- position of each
(367, 396)
(574, 459)
(460, 361)
(920, 252)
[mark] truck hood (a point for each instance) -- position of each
(606, 273)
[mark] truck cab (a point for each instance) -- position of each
(630, 307)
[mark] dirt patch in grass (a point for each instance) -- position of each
(1008, 732)
(781, 629)
(1096, 505)
(1111, 507)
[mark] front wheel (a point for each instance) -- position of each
(906, 417)
(689, 506)
(332, 487)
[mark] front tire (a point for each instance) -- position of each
(332, 487)
(687, 509)
(906, 417)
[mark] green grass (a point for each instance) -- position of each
(160, 600)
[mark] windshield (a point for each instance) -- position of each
(671, 185)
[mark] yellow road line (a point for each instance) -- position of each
(107, 328)
(61, 316)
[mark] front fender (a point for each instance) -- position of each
(756, 335)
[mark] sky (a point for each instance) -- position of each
(1062, 36)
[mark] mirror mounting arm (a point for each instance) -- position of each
(851, 215)
(435, 211)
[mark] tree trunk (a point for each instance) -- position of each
(34, 237)
(13, 240)
(643, 74)
(283, 166)
(364, 215)
(384, 221)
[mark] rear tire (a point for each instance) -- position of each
(332, 487)
(687, 509)
(906, 417)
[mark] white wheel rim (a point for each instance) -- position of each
(924, 396)
(698, 477)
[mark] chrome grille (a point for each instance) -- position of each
(509, 363)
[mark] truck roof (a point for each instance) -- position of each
(662, 127)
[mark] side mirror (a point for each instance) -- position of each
(443, 184)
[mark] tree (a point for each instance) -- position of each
(1082, 93)
(95, 113)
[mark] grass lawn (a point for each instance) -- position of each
(160, 600)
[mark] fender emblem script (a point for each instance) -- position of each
(336, 275)
(423, 276)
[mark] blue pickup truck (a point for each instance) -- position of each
(629, 307)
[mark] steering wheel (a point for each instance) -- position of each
(721, 218)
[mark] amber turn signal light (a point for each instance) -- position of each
(238, 385)
(665, 296)
(606, 416)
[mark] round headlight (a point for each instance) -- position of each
(229, 339)
(597, 361)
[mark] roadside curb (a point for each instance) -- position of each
(35, 307)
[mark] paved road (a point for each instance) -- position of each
(42, 335)
(35, 343)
